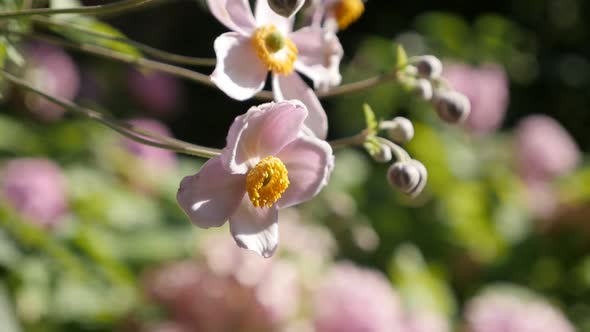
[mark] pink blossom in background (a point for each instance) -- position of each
(152, 158)
(544, 149)
(157, 92)
(53, 71)
(494, 311)
(487, 88)
(209, 301)
(36, 188)
(353, 299)
(425, 321)
(259, 172)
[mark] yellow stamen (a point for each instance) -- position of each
(266, 182)
(276, 51)
(348, 11)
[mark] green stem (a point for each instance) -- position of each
(201, 78)
(126, 129)
(399, 152)
(30, 235)
(126, 58)
(117, 7)
(156, 53)
(356, 140)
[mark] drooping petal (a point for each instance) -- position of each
(319, 56)
(265, 16)
(239, 72)
(293, 87)
(309, 162)
(263, 131)
(255, 229)
(212, 195)
(234, 14)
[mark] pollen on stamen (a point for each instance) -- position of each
(347, 12)
(276, 51)
(266, 182)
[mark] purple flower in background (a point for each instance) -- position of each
(353, 299)
(509, 311)
(152, 158)
(36, 188)
(158, 92)
(486, 88)
(544, 149)
(250, 295)
(52, 71)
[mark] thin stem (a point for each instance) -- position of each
(156, 53)
(126, 129)
(125, 58)
(117, 7)
(399, 152)
(358, 139)
(198, 77)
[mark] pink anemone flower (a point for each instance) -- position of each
(269, 162)
(265, 42)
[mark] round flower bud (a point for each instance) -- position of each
(400, 129)
(423, 88)
(451, 106)
(383, 155)
(408, 177)
(428, 66)
(286, 8)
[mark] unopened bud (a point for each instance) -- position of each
(428, 66)
(451, 106)
(286, 8)
(409, 177)
(423, 88)
(383, 155)
(400, 129)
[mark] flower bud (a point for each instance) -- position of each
(428, 66)
(400, 129)
(286, 8)
(423, 88)
(451, 106)
(383, 155)
(409, 177)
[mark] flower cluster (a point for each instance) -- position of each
(511, 309)
(276, 155)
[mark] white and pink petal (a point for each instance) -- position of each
(265, 16)
(319, 57)
(293, 87)
(309, 163)
(263, 131)
(212, 195)
(234, 14)
(255, 228)
(238, 72)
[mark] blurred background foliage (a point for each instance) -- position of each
(478, 224)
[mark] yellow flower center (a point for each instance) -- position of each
(348, 11)
(276, 51)
(267, 181)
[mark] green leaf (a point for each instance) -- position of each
(8, 321)
(372, 146)
(401, 56)
(85, 29)
(370, 119)
(421, 287)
